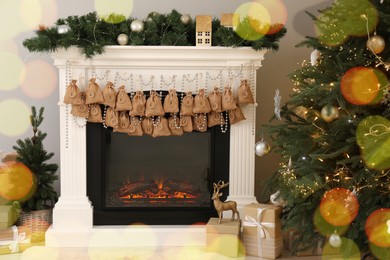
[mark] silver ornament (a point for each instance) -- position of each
(262, 148)
(376, 44)
(122, 39)
(62, 29)
(335, 240)
(137, 26)
(329, 113)
(185, 19)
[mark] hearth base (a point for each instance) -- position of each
(128, 236)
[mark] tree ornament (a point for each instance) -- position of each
(185, 19)
(262, 148)
(376, 44)
(277, 200)
(301, 111)
(137, 26)
(62, 29)
(335, 240)
(315, 56)
(122, 39)
(329, 113)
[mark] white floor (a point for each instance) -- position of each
(166, 253)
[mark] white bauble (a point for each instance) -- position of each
(122, 39)
(185, 19)
(62, 29)
(315, 56)
(335, 240)
(137, 26)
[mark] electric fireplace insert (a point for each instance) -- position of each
(163, 180)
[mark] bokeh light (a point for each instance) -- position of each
(12, 69)
(10, 23)
(361, 85)
(219, 244)
(345, 19)
(378, 227)
(325, 228)
(254, 21)
(373, 138)
(348, 250)
(40, 80)
(31, 13)
(16, 122)
(278, 14)
(339, 207)
(50, 12)
(16, 182)
(105, 8)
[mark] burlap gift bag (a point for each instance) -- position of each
(139, 103)
(199, 122)
(95, 114)
(236, 115)
(147, 126)
(187, 105)
(81, 110)
(186, 124)
(109, 95)
(154, 106)
(72, 94)
(171, 102)
(201, 103)
(124, 123)
(123, 102)
(135, 128)
(228, 102)
(94, 94)
(262, 230)
(161, 128)
(112, 117)
(215, 99)
(244, 93)
(215, 118)
(174, 126)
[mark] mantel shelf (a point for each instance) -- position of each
(162, 56)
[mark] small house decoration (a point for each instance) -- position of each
(230, 20)
(203, 30)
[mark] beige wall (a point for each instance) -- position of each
(273, 75)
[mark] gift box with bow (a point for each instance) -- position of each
(262, 230)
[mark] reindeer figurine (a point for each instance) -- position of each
(220, 206)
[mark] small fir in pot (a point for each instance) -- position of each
(32, 154)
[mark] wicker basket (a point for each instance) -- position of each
(36, 222)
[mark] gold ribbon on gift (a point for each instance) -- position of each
(261, 228)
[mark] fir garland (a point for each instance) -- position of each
(91, 33)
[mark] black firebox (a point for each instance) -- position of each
(159, 181)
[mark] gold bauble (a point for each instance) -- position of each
(329, 113)
(301, 111)
(376, 44)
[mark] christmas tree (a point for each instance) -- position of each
(32, 154)
(334, 135)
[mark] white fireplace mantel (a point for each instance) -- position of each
(73, 213)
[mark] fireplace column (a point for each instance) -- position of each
(73, 209)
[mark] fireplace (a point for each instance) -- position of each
(167, 180)
(75, 220)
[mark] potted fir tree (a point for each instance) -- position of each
(37, 210)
